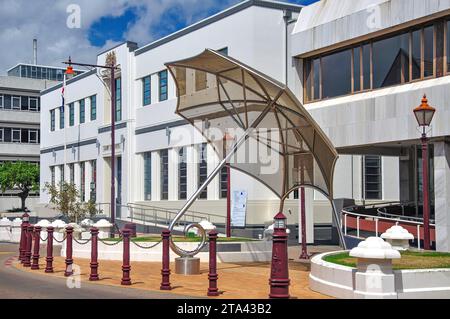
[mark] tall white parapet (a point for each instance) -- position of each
(398, 237)
(5, 229)
(16, 230)
(374, 278)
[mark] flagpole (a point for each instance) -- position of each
(64, 119)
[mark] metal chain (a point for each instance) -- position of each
(64, 238)
(82, 242)
(105, 242)
(147, 247)
(42, 238)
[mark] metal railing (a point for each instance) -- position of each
(381, 216)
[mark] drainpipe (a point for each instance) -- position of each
(287, 16)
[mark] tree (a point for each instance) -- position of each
(19, 175)
(66, 198)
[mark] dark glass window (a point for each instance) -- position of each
(148, 176)
(182, 173)
(61, 117)
(357, 69)
(224, 182)
(316, 81)
(224, 51)
(72, 173)
(52, 120)
(83, 181)
(52, 174)
(146, 91)
(93, 99)
(203, 169)
(372, 177)
(82, 111)
(71, 114)
(391, 61)
(163, 85)
(448, 46)
(118, 114)
(336, 74)
(366, 63)
(164, 154)
(428, 59)
(416, 54)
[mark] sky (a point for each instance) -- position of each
(101, 25)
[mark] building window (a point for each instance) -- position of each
(1, 135)
(16, 102)
(148, 176)
(93, 186)
(61, 117)
(82, 112)
(182, 173)
(33, 103)
(162, 85)
(146, 89)
(223, 51)
(203, 169)
(164, 154)
(391, 60)
(33, 136)
(71, 114)
(1, 101)
(118, 115)
(372, 177)
(93, 99)
(16, 135)
(224, 182)
(52, 120)
(61, 177)
(83, 181)
(72, 173)
(52, 175)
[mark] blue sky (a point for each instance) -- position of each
(113, 28)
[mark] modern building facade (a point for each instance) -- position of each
(316, 51)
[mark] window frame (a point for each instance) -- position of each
(1, 101)
(146, 100)
(182, 173)
(2, 134)
(15, 130)
(52, 120)
(163, 96)
(147, 157)
(118, 101)
(202, 164)
(30, 131)
(32, 109)
(71, 114)
(82, 114)
(15, 98)
(164, 168)
(93, 109)
(62, 117)
(379, 190)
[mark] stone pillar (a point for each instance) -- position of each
(192, 169)
(88, 174)
(442, 195)
(173, 173)
(156, 176)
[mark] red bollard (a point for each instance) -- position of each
(69, 250)
(28, 246)
(213, 291)
(23, 240)
(37, 246)
(126, 268)
(49, 258)
(94, 254)
(165, 271)
(279, 273)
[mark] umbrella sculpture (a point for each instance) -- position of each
(223, 94)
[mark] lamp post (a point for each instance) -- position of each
(424, 114)
(279, 272)
(227, 145)
(111, 66)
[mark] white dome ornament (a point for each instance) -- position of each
(374, 248)
(398, 237)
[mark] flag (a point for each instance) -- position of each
(62, 94)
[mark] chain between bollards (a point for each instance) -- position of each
(37, 244)
(213, 291)
(49, 258)
(165, 271)
(126, 268)
(69, 250)
(94, 255)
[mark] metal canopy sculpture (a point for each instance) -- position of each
(227, 94)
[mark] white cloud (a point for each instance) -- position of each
(22, 20)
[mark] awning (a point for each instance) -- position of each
(231, 96)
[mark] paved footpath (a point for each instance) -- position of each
(17, 284)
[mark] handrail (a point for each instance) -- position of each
(174, 210)
(398, 219)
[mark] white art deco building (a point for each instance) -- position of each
(359, 67)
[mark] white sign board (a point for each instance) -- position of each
(239, 208)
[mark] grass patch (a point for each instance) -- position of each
(151, 239)
(409, 260)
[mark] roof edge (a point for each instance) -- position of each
(73, 80)
(219, 16)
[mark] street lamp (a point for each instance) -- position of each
(111, 66)
(228, 143)
(424, 114)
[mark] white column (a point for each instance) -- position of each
(442, 195)
(213, 161)
(192, 169)
(77, 175)
(156, 176)
(58, 174)
(173, 174)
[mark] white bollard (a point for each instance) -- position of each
(16, 230)
(398, 237)
(5, 230)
